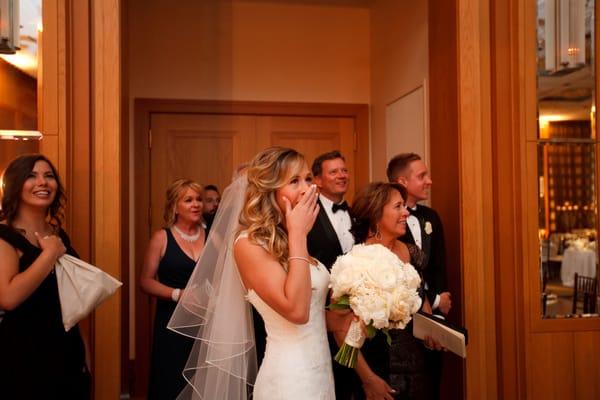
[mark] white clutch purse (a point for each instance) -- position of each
(81, 288)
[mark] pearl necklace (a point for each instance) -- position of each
(186, 237)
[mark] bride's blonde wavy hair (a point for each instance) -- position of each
(261, 217)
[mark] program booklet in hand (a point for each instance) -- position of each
(451, 337)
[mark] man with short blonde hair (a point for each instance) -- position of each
(425, 230)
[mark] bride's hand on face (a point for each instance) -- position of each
(301, 217)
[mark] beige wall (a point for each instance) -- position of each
(399, 54)
(249, 50)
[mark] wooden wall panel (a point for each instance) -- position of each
(106, 88)
(50, 148)
(477, 238)
(443, 144)
(79, 133)
(586, 347)
(48, 67)
(78, 145)
(550, 366)
(508, 229)
(49, 60)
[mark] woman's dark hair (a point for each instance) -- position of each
(367, 207)
(13, 179)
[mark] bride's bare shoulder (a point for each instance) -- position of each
(244, 247)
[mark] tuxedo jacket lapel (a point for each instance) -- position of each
(323, 243)
(328, 229)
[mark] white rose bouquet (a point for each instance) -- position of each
(381, 290)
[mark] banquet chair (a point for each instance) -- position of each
(585, 291)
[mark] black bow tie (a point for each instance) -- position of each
(343, 206)
(412, 211)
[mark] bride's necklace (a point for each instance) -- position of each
(186, 237)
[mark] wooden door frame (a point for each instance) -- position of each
(476, 195)
(143, 110)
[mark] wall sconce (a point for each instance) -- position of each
(6, 134)
(9, 26)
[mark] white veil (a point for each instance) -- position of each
(213, 310)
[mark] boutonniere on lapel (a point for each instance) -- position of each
(428, 228)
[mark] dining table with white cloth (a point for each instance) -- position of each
(577, 260)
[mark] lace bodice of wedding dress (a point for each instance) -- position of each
(297, 362)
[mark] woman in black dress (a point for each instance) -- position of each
(38, 359)
(170, 259)
(395, 371)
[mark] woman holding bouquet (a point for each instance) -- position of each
(39, 360)
(397, 371)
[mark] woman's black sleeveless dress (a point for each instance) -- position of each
(38, 359)
(402, 364)
(170, 350)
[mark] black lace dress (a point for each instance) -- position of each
(402, 364)
(38, 359)
(407, 370)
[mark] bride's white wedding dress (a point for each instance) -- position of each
(297, 362)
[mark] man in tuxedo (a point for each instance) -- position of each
(425, 230)
(330, 237)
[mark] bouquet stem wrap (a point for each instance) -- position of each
(347, 355)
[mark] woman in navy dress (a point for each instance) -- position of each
(170, 259)
(38, 359)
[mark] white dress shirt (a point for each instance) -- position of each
(341, 223)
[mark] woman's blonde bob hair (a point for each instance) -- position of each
(174, 193)
(261, 217)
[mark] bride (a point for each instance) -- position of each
(257, 252)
